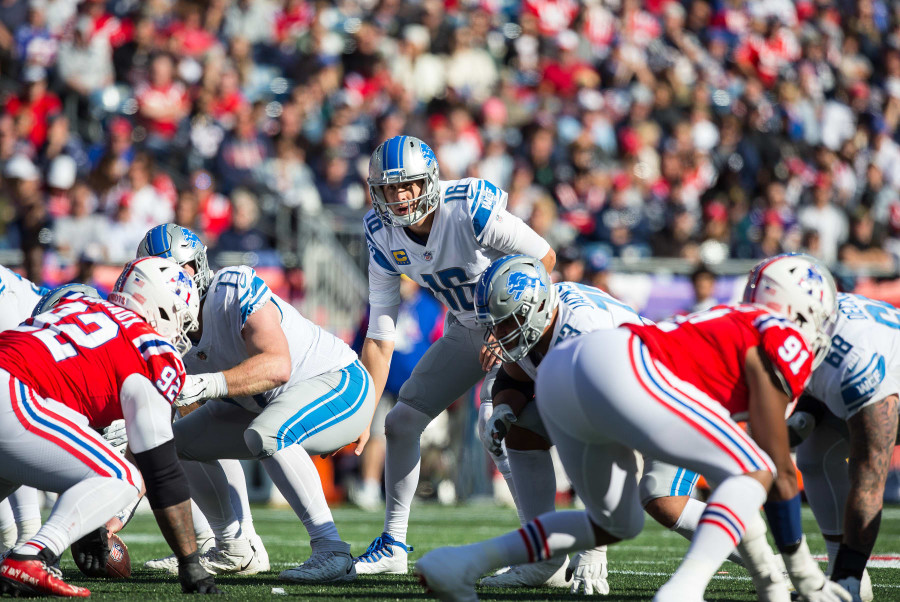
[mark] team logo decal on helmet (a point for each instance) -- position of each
(519, 282)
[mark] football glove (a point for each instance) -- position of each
(200, 387)
(852, 585)
(115, 435)
(91, 551)
(810, 582)
(587, 571)
(496, 428)
(194, 578)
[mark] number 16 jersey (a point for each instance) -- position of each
(708, 350)
(81, 352)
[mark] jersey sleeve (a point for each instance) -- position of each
(858, 377)
(239, 292)
(787, 351)
(164, 366)
(384, 279)
(484, 202)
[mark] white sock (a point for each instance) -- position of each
(832, 547)
(731, 506)
(502, 464)
(240, 501)
(7, 526)
(79, 510)
(202, 530)
(295, 475)
(546, 536)
(754, 548)
(403, 427)
(687, 524)
(209, 490)
(535, 482)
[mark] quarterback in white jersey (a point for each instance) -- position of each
(280, 389)
(859, 383)
(442, 235)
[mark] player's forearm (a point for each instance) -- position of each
(177, 526)
(258, 374)
(376, 357)
(873, 432)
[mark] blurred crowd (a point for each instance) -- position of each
(700, 129)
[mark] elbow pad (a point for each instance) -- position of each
(163, 475)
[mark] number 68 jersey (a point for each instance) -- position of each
(708, 350)
(863, 365)
(81, 352)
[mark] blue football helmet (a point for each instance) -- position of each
(398, 160)
(182, 246)
(53, 296)
(515, 300)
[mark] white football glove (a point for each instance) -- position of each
(810, 582)
(115, 435)
(200, 387)
(587, 571)
(496, 428)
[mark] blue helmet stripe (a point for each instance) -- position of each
(400, 152)
(158, 242)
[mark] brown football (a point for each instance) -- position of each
(118, 563)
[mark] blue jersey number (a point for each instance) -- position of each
(884, 313)
(602, 300)
(450, 286)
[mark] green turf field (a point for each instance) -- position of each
(637, 567)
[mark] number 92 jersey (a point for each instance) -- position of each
(863, 365)
(708, 350)
(81, 352)
(471, 228)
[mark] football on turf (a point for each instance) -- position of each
(118, 563)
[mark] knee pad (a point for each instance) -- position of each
(259, 445)
(405, 421)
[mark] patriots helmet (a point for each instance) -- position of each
(515, 301)
(161, 292)
(182, 246)
(399, 160)
(798, 287)
(74, 290)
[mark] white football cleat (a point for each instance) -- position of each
(170, 562)
(262, 555)
(384, 555)
(448, 574)
(865, 587)
(240, 559)
(550, 573)
(330, 562)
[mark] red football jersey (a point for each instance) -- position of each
(81, 352)
(707, 349)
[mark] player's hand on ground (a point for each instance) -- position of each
(587, 571)
(115, 435)
(200, 387)
(488, 360)
(194, 578)
(496, 428)
(90, 553)
(829, 592)
(852, 585)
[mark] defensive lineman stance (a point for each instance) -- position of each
(859, 383)
(76, 368)
(526, 316)
(442, 235)
(605, 393)
(280, 389)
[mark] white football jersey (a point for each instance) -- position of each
(582, 309)
(863, 365)
(18, 296)
(234, 294)
(471, 229)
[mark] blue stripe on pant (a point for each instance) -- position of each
(328, 410)
(683, 483)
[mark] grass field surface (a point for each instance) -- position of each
(637, 567)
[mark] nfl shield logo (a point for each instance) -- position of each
(428, 256)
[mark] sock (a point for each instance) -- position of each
(78, 511)
(502, 464)
(754, 548)
(295, 475)
(535, 481)
(209, 490)
(687, 523)
(403, 427)
(202, 530)
(7, 526)
(548, 535)
(721, 527)
(832, 547)
(240, 501)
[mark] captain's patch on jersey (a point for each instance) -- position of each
(400, 257)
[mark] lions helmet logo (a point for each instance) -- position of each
(519, 282)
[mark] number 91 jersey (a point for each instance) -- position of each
(81, 352)
(863, 365)
(471, 229)
(708, 350)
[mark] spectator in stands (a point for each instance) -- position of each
(213, 207)
(338, 186)
(824, 216)
(34, 106)
(863, 249)
(31, 229)
(242, 151)
(162, 104)
(703, 281)
(288, 174)
(243, 236)
(85, 62)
